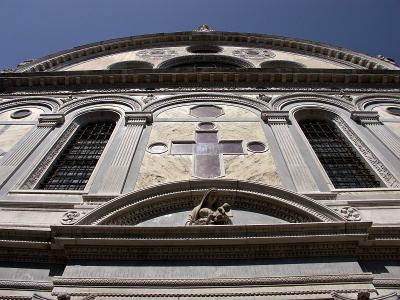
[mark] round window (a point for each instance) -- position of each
(21, 113)
(394, 110)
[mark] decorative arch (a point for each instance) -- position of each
(131, 103)
(52, 104)
(77, 54)
(176, 61)
(280, 102)
(205, 97)
(362, 102)
(135, 207)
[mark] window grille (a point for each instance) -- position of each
(340, 161)
(75, 165)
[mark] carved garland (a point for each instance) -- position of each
(374, 161)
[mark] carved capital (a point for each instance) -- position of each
(275, 117)
(365, 117)
(51, 120)
(138, 118)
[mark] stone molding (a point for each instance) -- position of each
(275, 117)
(388, 177)
(363, 101)
(108, 47)
(185, 79)
(25, 284)
(365, 117)
(141, 204)
(138, 118)
(130, 102)
(51, 120)
(204, 97)
(280, 102)
(52, 103)
(132, 282)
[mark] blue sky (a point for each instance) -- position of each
(35, 28)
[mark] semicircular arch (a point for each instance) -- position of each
(205, 97)
(362, 102)
(129, 102)
(136, 207)
(52, 104)
(280, 102)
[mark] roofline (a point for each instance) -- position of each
(106, 47)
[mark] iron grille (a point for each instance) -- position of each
(342, 164)
(78, 159)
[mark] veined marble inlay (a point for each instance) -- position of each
(163, 168)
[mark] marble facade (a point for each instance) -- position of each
(293, 234)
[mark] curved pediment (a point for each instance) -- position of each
(248, 200)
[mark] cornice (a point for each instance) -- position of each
(250, 78)
(90, 51)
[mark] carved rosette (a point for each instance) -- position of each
(253, 53)
(350, 213)
(71, 217)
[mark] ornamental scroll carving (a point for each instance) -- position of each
(208, 212)
(71, 217)
(350, 213)
(375, 162)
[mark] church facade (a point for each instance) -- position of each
(200, 164)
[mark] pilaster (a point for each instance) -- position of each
(13, 159)
(117, 172)
(370, 119)
(279, 123)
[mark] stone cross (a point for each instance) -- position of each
(207, 151)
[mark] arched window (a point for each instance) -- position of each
(281, 64)
(341, 162)
(74, 166)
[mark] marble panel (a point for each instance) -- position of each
(384, 114)
(11, 134)
(13, 217)
(163, 168)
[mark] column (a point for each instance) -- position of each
(301, 175)
(117, 172)
(370, 119)
(18, 155)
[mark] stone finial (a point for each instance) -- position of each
(386, 59)
(203, 28)
(264, 98)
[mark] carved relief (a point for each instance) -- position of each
(253, 53)
(389, 178)
(156, 53)
(208, 212)
(70, 217)
(350, 213)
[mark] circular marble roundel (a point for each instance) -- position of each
(21, 113)
(206, 126)
(256, 147)
(253, 53)
(394, 110)
(157, 148)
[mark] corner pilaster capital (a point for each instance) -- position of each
(138, 118)
(275, 117)
(51, 120)
(365, 117)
